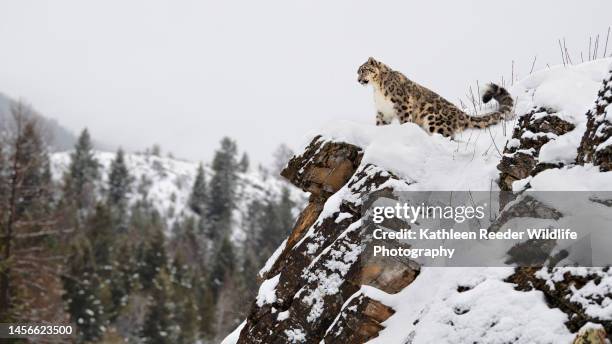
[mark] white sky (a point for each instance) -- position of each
(185, 73)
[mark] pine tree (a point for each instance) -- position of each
(189, 242)
(275, 224)
(224, 263)
(199, 196)
(244, 163)
(159, 325)
(251, 265)
(222, 189)
(119, 180)
(121, 276)
(26, 225)
(269, 223)
(4, 177)
(82, 173)
(119, 186)
(46, 198)
(286, 219)
(206, 307)
(229, 308)
(83, 291)
(90, 285)
(252, 249)
(34, 160)
(153, 258)
(99, 232)
(270, 230)
(184, 299)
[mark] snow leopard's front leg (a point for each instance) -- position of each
(380, 119)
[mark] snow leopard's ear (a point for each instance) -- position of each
(372, 62)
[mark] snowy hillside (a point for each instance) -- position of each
(440, 305)
(169, 182)
(58, 137)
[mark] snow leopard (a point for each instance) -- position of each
(396, 96)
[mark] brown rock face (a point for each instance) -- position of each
(593, 148)
(322, 265)
(359, 321)
(389, 274)
(520, 157)
(304, 171)
(324, 167)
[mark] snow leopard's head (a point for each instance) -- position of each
(370, 71)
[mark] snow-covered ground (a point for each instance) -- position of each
(170, 181)
(469, 162)
(431, 309)
(570, 91)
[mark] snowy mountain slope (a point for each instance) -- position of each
(441, 305)
(170, 181)
(57, 136)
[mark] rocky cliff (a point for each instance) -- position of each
(321, 286)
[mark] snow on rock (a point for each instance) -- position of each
(319, 261)
(568, 90)
(295, 336)
(433, 309)
(283, 316)
(596, 145)
(470, 161)
(562, 149)
(272, 259)
(436, 162)
(232, 338)
(550, 105)
(576, 178)
(267, 291)
(332, 276)
(595, 296)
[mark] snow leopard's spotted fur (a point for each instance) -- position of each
(397, 96)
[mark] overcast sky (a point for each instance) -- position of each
(185, 73)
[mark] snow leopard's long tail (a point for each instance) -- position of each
(503, 98)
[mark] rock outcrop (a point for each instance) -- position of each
(317, 288)
(311, 292)
(596, 144)
(520, 156)
(359, 321)
(560, 285)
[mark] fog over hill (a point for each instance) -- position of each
(58, 137)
